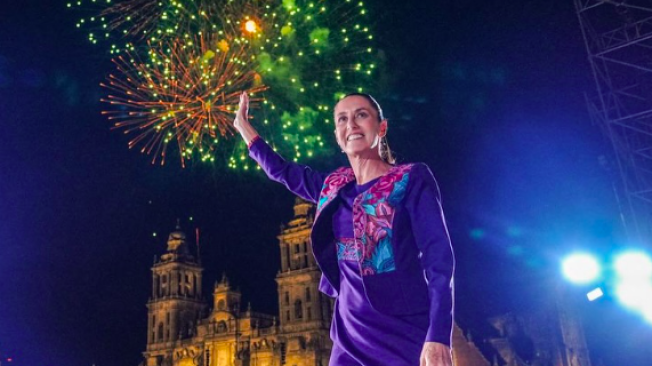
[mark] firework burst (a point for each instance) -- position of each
(126, 23)
(307, 52)
(185, 95)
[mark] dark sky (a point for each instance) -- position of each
(489, 93)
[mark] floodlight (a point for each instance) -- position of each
(636, 295)
(634, 265)
(580, 268)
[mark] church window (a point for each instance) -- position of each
(168, 318)
(305, 261)
(296, 249)
(221, 305)
(191, 328)
(157, 286)
(287, 255)
(298, 309)
(305, 246)
(308, 298)
(221, 327)
(160, 332)
(309, 313)
(287, 315)
(287, 298)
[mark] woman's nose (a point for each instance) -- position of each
(350, 124)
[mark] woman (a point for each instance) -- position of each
(379, 238)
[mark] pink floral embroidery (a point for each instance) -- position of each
(348, 250)
(373, 216)
(333, 183)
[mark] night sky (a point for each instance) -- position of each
(490, 94)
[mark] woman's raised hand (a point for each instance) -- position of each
(242, 115)
(241, 121)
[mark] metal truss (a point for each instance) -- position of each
(618, 38)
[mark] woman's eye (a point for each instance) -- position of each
(341, 119)
(362, 115)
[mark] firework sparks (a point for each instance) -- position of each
(308, 53)
(186, 93)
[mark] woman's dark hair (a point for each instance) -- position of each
(385, 152)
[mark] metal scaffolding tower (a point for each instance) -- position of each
(618, 38)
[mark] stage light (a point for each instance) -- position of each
(647, 313)
(634, 265)
(636, 295)
(595, 294)
(580, 268)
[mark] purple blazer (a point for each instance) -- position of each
(407, 260)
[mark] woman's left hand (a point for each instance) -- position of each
(436, 354)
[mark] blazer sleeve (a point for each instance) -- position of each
(423, 203)
(299, 179)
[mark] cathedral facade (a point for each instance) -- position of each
(182, 331)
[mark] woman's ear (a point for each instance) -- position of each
(382, 129)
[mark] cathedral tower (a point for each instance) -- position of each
(176, 302)
(305, 313)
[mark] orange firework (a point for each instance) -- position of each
(187, 94)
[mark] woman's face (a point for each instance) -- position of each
(357, 129)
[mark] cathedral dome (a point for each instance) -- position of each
(177, 241)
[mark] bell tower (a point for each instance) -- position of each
(304, 312)
(176, 303)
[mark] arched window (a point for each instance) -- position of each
(160, 332)
(157, 287)
(221, 327)
(308, 299)
(298, 309)
(221, 305)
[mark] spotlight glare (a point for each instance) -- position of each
(636, 295)
(580, 268)
(634, 265)
(595, 294)
(647, 314)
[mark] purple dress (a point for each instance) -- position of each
(376, 322)
(361, 335)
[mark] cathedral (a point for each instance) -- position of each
(183, 330)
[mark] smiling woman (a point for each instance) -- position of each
(366, 111)
(379, 238)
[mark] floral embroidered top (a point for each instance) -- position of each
(399, 238)
(357, 327)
